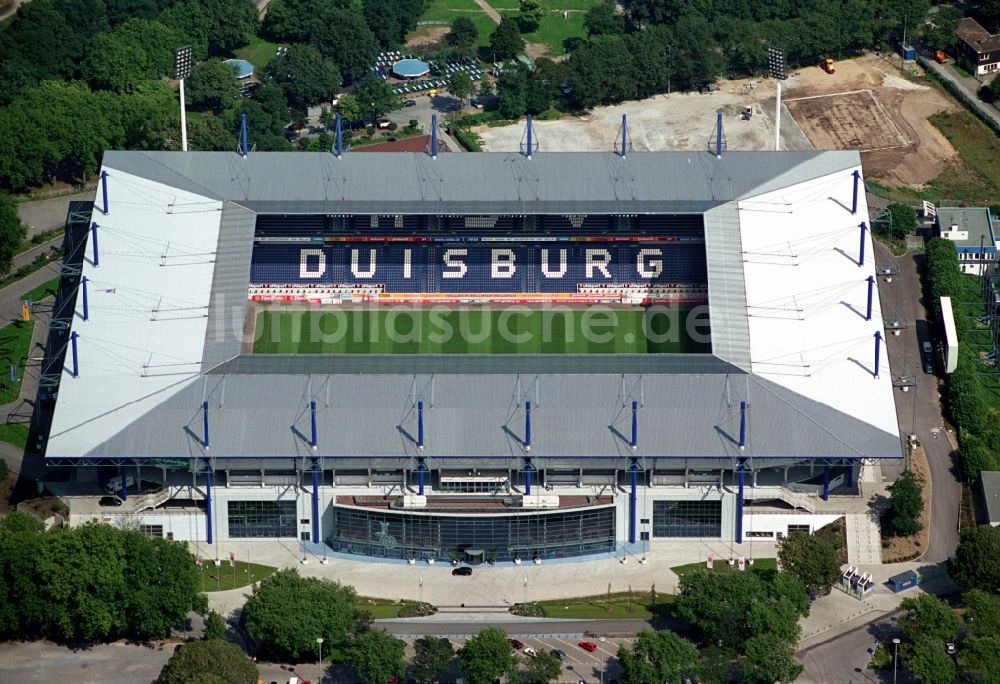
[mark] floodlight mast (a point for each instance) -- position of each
(777, 70)
(182, 69)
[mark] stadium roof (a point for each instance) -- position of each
(168, 301)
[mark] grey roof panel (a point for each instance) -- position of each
(727, 303)
(229, 284)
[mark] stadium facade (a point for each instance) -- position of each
(154, 376)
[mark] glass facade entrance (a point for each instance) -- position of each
(687, 518)
(469, 538)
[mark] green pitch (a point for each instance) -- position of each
(474, 330)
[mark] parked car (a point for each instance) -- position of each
(558, 653)
(588, 646)
(410, 103)
(516, 645)
(530, 652)
(464, 570)
(110, 501)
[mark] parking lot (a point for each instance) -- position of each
(578, 664)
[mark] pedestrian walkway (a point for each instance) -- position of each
(864, 540)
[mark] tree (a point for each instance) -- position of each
(12, 234)
(212, 86)
(460, 85)
(161, 585)
(542, 669)
(603, 72)
(966, 402)
(982, 612)
(391, 20)
(210, 133)
(352, 46)
(486, 657)
(927, 660)
(810, 558)
(770, 659)
(660, 656)
(903, 220)
(349, 108)
(981, 657)
(463, 35)
(231, 23)
(215, 626)
(975, 563)
(375, 97)
(376, 656)
(603, 19)
(906, 503)
(530, 13)
(432, 658)
(929, 617)
(304, 75)
(289, 612)
(506, 41)
(208, 661)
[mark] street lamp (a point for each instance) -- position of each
(525, 589)
(319, 645)
(604, 658)
(895, 650)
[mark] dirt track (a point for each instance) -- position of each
(886, 120)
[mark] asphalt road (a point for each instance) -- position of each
(48, 214)
(968, 86)
(920, 408)
(845, 659)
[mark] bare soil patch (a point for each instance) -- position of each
(843, 118)
(427, 35)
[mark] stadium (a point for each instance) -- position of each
(475, 357)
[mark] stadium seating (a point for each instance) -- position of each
(618, 270)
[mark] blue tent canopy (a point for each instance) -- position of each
(244, 69)
(411, 68)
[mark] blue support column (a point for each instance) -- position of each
(527, 426)
(624, 135)
(121, 474)
(634, 442)
(104, 191)
(878, 349)
(340, 138)
(315, 503)
(718, 136)
(826, 482)
(857, 183)
(634, 472)
(527, 479)
(871, 292)
(76, 361)
(93, 243)
(530, 141)
(420, 479)
(204, 421)
(420, 425)
(314, 437)
(83, 292)
(741, 474)
(244, 144)
(208, 504)
(861, 250)
(434, 136)
(743, 425)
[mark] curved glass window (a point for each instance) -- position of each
(473, 539)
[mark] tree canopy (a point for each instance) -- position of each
(12, 234)
(975, 563)
(810, 558)
(212, 86)
(487, 656)
(928, 662)
(604, 19)
(432, 657)
(906, 503)
(769, 659)
(289, 612)
(659, 656)
(541, 669)
(463, 35)
(927, 616)
(208, 661)
(506, 41)
(304, 75)
(377, 656)
(375, 98)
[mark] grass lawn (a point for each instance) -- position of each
(977, 177)
(723, 566)
(46, 289)
(881, 659)
(382, 609)
(473, 330)
(224, 576)
(14, 433)
(448, 10)
(553, 30)
(258, 52)
(617, 608)
(15, 343)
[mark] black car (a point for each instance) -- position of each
(410, 103)
(110, 501)
(927, 356)
(465, 570)
(558, 653)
